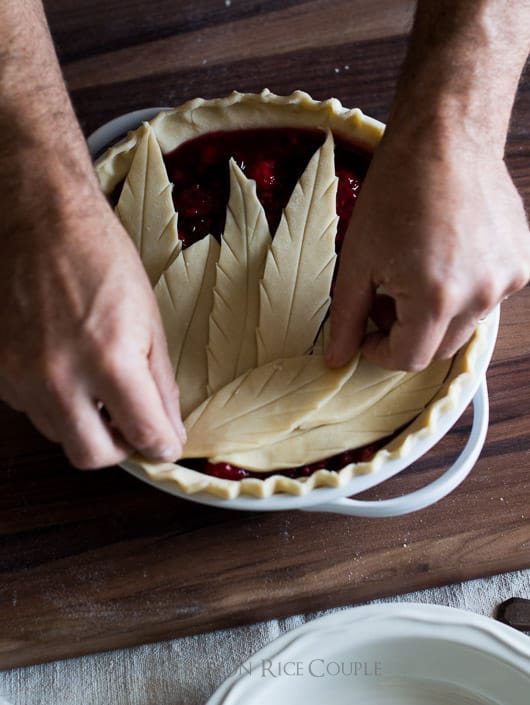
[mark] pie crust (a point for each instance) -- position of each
(245, 336)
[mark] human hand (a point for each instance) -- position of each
(442, 229)
(82, 350)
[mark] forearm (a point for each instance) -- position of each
(438, 221)
(462, 69)
(41, 139)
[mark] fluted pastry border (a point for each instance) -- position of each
(239, 111)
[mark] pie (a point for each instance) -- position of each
(238, 207)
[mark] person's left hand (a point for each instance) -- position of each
(443, 232)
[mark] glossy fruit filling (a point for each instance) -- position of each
(337, 462)
(274, 158)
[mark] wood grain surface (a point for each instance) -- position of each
(95, 561)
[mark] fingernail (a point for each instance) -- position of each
(169, 454)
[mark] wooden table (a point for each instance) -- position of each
(94, 561)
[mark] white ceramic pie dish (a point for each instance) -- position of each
(332, 498)
(394, 654)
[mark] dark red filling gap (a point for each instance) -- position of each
(336, 462)
(275, 158)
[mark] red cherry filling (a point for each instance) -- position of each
(275, 158)
(336, 462)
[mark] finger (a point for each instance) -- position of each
(350, 306)
(457, 335)
(88, 441)
(410, 344)
(164, 378)
(63, 411)
(462, 326)
(10, 395)
(32, 401)
(43, 422)
(135, 406)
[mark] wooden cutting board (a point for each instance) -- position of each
(97, 560)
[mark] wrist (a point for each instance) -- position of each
(448, 127)
(42, 187)
(461, 74)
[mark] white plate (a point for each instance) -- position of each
(394, 654)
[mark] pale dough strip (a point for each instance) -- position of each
(295, 291)
(262, 405)
(145, 207)
(395, 409)
(184, 296)
(232, 346)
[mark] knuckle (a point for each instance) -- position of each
(486, 296)
(440, 296)
(146, 437)
(112, 360)
(53, 378)
(53, 375)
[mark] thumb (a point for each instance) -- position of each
(350, 307)
(164, 378)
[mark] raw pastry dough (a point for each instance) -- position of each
(145, 207)
(365, 425)
(184, 294)
(246, 239)
(294, 296)
(264, 404)
(369, 384)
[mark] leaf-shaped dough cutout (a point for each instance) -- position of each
(185, 293)
(145, 207)
(232, 346)
(262, 405)
(369, 384)
(295, 290)
(321, 342)
(397, 408)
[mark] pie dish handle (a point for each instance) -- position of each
(435, 490)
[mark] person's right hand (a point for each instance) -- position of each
(82, 350)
